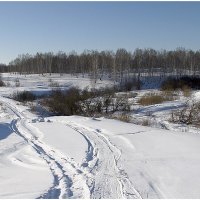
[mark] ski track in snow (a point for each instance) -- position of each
(99, 176)
(110, 178)
(69, 180)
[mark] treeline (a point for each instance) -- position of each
(3, 68)
(119, 65)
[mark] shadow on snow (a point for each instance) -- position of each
(5, 130)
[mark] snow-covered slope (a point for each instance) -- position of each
(80, 157)
(159, 163)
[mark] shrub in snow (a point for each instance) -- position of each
(125, 117)
(145, 122)
(87, 103)
(130, 84)
(24, 96)
(188, 115)
(186, 91)
(2, 84)
(17, 82)
(153, 98)
(181, 82)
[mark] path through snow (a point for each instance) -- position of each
(98, 176)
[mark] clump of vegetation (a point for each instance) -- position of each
(130, 84)
(181, 83)
(2, 84)
(187, 115)
(124, 117)
(186, 91)
(145, 122)
(64, 102)
(33, 107)
(153, 98)
(24, 96)
(17, 83)
(86, 102)
(54, 84)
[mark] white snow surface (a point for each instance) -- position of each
(160, 163)
(80, 157)
(23, 173)
(43, 84)
(63, 138)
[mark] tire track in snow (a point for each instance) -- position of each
(61, 184)
(111, 181)
(99, 177)
(69, 181)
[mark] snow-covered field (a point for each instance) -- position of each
(80, 157)
(43, 84)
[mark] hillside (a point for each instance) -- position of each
(85, 157)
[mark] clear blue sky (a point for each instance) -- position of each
(30, 27)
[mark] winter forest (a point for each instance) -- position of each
(118, 66)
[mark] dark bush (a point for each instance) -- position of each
(24, 96)
(130, 84)
(86, 102)
(179, 83)
(64, 103)
(2, 84)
